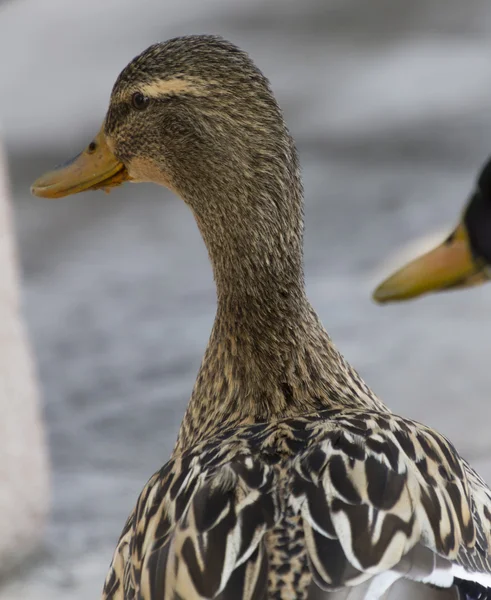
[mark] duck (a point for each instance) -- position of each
(290, 478)
(461, 261)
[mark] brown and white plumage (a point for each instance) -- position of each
(290, 479)
(345, 495)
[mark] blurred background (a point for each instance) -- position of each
(390, 104)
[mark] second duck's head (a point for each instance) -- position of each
(462, 260)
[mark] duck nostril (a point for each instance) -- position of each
(92, 147)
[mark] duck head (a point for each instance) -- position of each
(181, 114)
(196, 115)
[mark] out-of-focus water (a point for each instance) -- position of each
(390, 103)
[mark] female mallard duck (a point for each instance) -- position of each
(462, 260)
(289, 478)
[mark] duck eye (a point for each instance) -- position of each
(139, 101)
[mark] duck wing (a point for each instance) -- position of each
(378, 498)
(388, 497)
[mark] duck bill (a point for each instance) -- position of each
(448, 266)
(94, 168)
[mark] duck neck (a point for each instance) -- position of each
(268, 355)
(258, 270)
(254, 239)
(261, 301)
(252, 226)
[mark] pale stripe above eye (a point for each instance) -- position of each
(155, 89)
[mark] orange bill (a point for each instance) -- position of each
(94, 168)
(450, 265)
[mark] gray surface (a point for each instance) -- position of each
(390, 104)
